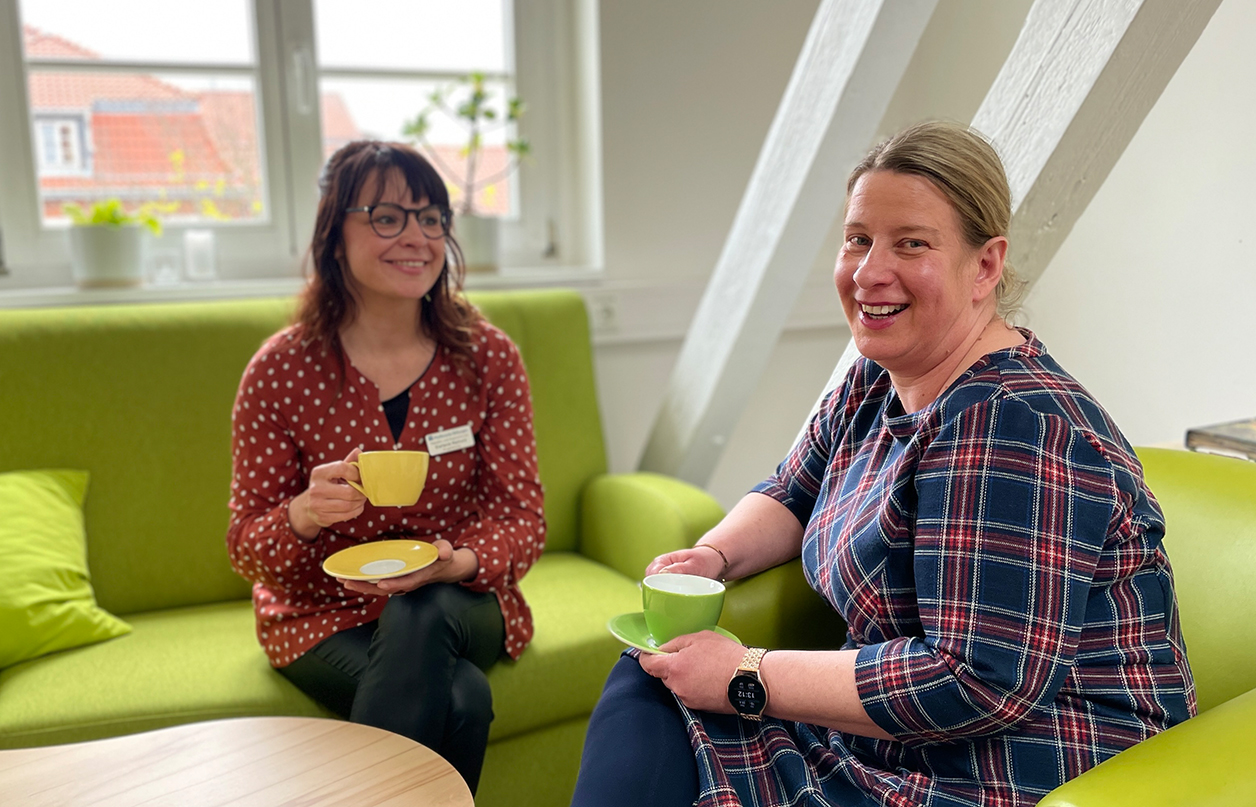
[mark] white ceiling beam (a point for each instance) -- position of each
(1075, 88)
(1077, 85)
(852, 61)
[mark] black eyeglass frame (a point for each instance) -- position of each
(406, 211)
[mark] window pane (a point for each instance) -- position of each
(379, 109)
(186, 145)
(178, 31)
(461, 36)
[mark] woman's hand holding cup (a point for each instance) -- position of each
(328, 500)
(701, 560)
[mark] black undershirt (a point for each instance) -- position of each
(395, 409)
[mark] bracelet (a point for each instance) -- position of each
(722, 556)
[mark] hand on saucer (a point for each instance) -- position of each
(697, 667)
(451, 566)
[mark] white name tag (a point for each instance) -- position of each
(454, 439)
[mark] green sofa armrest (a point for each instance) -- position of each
(627, 520)
(776, 609)
(1196, 763)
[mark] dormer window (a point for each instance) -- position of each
(60, 145)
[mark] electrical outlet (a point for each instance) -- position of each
(603, 312)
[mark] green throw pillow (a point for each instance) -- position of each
(46, 598)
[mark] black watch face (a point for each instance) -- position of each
(747, 695)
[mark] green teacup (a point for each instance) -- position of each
(677, 604)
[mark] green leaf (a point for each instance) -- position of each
(416, 127)
(110, 213)
(75, 212)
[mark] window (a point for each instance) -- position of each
(220, 115)
(60, 143)
(377, 79)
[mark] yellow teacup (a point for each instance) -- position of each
(391, 478)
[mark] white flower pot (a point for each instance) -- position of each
(105, 256)
(477, 236)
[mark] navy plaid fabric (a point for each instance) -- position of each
(998, 560)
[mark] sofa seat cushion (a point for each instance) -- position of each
(561, 674)
(204, 663)
(177, 666)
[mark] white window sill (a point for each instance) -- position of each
(189, 290)
(621, 312)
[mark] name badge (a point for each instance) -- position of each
(454, 439)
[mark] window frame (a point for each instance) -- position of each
(554, 44)
(54, 125)
(37, 255)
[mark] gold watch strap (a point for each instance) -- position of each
(750, 662)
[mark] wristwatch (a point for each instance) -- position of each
(746, 690)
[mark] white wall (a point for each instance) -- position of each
(689, 89)
(1151, 301)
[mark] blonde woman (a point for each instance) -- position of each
(969, 509)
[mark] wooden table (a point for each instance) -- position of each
(259, 761)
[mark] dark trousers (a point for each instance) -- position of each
(417, 671)
(637, 750)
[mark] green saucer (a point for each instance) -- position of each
(631, 630)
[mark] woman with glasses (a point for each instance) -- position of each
(385, 353)
(970, 510)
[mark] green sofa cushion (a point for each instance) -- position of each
(562, 672)
(177, 666)
(552, 332)
(204, 663)
(46, 599)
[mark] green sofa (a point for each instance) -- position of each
(1210, 531)
(140, 396)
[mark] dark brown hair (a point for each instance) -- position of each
(967, 170)
(327, 302)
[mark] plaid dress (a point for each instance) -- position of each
(998, 561)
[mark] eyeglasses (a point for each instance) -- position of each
(389, 220)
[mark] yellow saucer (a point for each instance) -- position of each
(380, 560)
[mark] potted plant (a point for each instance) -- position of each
(474, 110)
(106, 244)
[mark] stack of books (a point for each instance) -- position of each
(1237, 439)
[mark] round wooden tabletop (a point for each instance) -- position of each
(254, 761)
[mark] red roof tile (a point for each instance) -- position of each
(231, 121)
(37, 43)
(144, 148)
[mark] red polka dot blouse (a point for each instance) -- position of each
(294, 411)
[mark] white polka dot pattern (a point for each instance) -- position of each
(289, 418)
